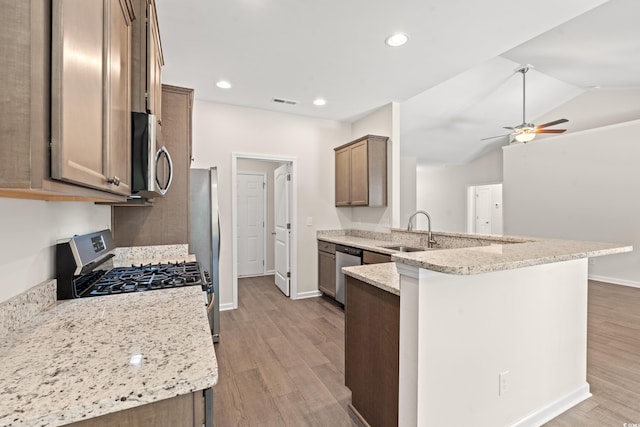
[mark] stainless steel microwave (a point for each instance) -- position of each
(151, 167)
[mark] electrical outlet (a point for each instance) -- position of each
(309, 221)
(503, 380)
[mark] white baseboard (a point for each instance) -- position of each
(555, 408)
(615, 281)
(269, 272)
(309, 294)
(227, 306)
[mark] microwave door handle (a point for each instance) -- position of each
(161, 151)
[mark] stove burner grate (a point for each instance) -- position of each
(147, 277)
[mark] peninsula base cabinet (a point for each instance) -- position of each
(327, 268)
(372, 352)
(187, 410)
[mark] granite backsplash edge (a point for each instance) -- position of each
(23, 307)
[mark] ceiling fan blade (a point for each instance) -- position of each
(507, 127)
(549, 130)
(497, 136)
(553, 123)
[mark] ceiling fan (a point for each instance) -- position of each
(525, 132)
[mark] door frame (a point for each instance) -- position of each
(264, 213)
(293, 256)
(471, 205)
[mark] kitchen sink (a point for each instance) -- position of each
(402, 248)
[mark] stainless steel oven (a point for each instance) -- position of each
(151, 167)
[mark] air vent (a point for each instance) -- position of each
(284, 101)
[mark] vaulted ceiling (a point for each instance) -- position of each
(454, 79)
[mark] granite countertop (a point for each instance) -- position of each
(483, 259)
(384, 276)
(92, 356)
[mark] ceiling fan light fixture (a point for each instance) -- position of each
(223, 84)
(396, 40)
(525, 137)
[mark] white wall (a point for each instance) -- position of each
(442, 191)
(582, 186)
(408, 188)
(220, 130)
(29, 230)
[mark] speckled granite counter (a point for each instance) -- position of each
(137, 255)
(90, 356)
(483, 259)
(459, 253)
(384, 276)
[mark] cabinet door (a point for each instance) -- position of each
(154, 65)
(77, 82)
(343, 177)
(118, 118)
(359, 174)
(327, 273)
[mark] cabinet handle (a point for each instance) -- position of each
(115, 181)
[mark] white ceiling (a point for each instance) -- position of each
(454, 79)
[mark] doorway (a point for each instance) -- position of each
(484, 209)
(265, 164)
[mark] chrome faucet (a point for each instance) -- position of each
(430, 241)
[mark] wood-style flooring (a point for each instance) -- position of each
(613, 360)
(281, 362)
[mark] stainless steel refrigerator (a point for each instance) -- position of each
(204, 232)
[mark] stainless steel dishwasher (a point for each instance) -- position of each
(346, 256)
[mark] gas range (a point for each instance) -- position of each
(80, 272)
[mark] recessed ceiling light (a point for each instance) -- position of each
(223, 84)
(319, 102)
(395, 40)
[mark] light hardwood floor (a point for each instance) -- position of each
(281, 362)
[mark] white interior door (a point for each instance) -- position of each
(282, 183)
(483, 209)
(251, 227)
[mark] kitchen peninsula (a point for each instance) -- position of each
(492, 334)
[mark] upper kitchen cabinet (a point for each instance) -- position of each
(65, 108)
(90, 97)
(147, 60)
(361, 172)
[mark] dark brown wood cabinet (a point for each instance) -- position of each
(147, 60)
(327, 268)
(29, 159)
(187, 410)
(372, 345)
(361, 172)
(167, 221)
(90, 103)
(369, 257)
